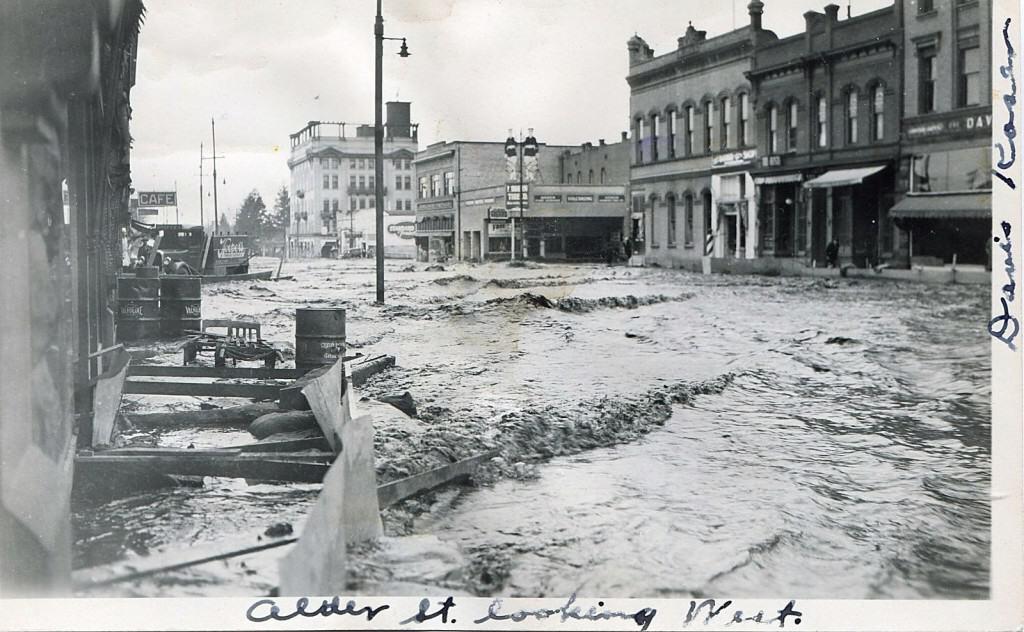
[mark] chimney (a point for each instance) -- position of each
(600, 142)
(810, 20)
(755, 9)
(831, 17)
(625, 136)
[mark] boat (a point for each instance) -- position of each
(216, 258)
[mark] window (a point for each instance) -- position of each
(327, 182)
(603, 175)
(408, 183)
(969, 89)
(773, 130)
(362, 202)
(878, 113)
(688, 221)
(822, 122)
(352, 204)
(639, 134)
(352, 182)
(334, 205)
(926, 80)
(671, 236)
(568, 178)
(688, 144)
(952, 171)
(655, 121)
(435, 185)
(851, 117)
(334, 182)
(362, 163)
(398, 182)
(925, 6)
(372, 183)
(423, 187)
(726, 117)
(709, 125)
(362, 182)
(352, 163)
(791, 129)
(670, 149)
(327, 206)
(744, 120)
(372, 203)
(408, 165)
(408, 205)
(449, 182)
(590, 177)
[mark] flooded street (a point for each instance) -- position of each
(661, 433)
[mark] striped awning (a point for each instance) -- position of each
(842, 177)
(949, 205)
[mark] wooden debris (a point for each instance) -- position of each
(362, 371)
(395, 491)
(282, 421)
(232, 416)
(291, 397)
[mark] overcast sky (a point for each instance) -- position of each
(263, 68)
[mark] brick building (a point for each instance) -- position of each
(827, 105)
(944, 180)
(604, 163)
(693, 145)
(332, 186)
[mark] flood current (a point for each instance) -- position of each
(834, 441)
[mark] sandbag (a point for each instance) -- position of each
(285, 421)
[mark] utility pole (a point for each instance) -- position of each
(378, 149)
(216, 215)
(202, 220)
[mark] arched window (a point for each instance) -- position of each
(709, 125)
(821, 122)
(670, 138)
(568, 178)
(878, 113)
(791, 126)
(603, 175)
(639, 135)
(726, 116)
(773, 129)
(689, 122)
(655, 120)
(744, 128)
(688, 220)
(670, 202)
(590, 177)
(579, 177)
(851, 116)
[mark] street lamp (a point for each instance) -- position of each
(378, 143)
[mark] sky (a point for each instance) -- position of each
(263, 68)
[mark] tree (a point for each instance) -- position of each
(224, 225)
(252, 218)
(282, 210)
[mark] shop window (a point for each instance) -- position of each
(950, 171)
(926, 80)
(821, 122)
(773, 130)
(791, 129)
(670, 236)
(744, 128)
(851, 117)
(969, 92)
(726, 116)
(878, 113)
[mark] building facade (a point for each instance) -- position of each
(692, 194)
(827, 116)
(332, 187)
(944, 179)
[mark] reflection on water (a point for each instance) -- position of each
(849, 457)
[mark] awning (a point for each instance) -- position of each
(939, 206)
(842, 177)
(786, 177)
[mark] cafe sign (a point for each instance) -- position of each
(158, 198)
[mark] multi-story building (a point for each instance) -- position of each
(694, 145)
(333, 186)
(827, 117)
(604, 163)
(944, 178)
(464, 190)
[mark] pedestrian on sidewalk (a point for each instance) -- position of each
(832, 253)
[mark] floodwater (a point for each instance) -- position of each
(672, 435)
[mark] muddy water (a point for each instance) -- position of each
(841, 448)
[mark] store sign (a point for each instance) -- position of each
(443, 205)
(480, 201)
(611, 197)
(949, 124)
(734, 158)
(499, 229)
(517, 196)
(148, 211)
(547, 197)
(404, 230)
(771, 161)
(158, 198)
(579, 198)
(498, 213)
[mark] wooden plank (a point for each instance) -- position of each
(395, 491)
(362, 371)
(291, 397)
(288, 445)
(240, 416)
(254, 373)
(294, 468)
(200, 389)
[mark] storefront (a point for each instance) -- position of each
(782, 214)
(851, 206)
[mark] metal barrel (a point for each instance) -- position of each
(138, 308)
(319, 336)
(181, 300)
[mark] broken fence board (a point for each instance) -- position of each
(275, 467)
(232, 416)
(199, 389)
(395, 491)
(210, 371)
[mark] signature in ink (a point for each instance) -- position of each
(1010, 101)
(1004, 327)
(641, 618)
(738, 615)
(266, 610)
